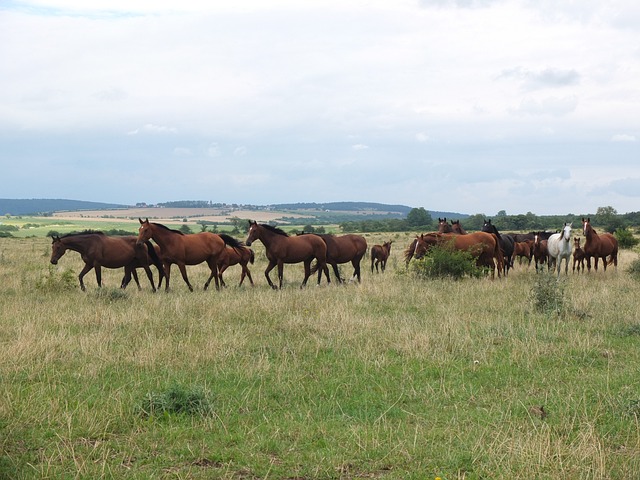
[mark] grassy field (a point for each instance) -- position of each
(396, 378)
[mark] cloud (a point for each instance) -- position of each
(153, 129)
(629, 187)
(552, 106)
(622, 137)
(547, 78)
(359, 146)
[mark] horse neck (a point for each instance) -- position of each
(162, 236)
(267, 237)
(78, 243)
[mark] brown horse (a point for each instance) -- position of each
(599, 246)
(540, 253)
(484, 247)
(443, 226)
(186, 249)
(457, 227)
(233, 256)
(281, 249)
(578, 255)
(98, 250)
(523, 250)
(343, 249)
(380, 255)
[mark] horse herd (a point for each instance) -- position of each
(489, 247)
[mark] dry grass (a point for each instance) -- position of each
(393, 378)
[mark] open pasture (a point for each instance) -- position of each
(395, 378)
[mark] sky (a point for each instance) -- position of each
(468, 106)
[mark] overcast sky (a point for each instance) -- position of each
(470, 106)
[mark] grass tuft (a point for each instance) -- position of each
(177, 399)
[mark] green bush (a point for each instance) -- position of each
(446, 262)
(56, 282)
(634, 269)
(625, 238)
(547, 294)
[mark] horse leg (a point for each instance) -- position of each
(372, 261)
(98, 270)
(248, 272)
(135, 277)
(213, 266)
(220, 272)
(167, 276)
(356, 269)
(149, 273)
(281, 273)
(266, 274)
(307, 272)
(183, 272)
(84, 271)
(126, 279)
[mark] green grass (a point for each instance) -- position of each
(395, 378)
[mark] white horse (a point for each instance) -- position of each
(559, 246)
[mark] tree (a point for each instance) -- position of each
(419, 217)
(608, 218)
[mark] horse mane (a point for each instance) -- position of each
(84, 232)
(276, 230)
(168, 229)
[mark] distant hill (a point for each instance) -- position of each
(43, 206)
(40, 206)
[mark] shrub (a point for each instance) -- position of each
(547, 294)
(56, 282)
(445, 262)
(634, 269)
(625, 238)
(177, 399)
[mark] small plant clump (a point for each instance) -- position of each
(634, 269)
(547, 294)
(445, 262)
(56, 282)
(177, 399)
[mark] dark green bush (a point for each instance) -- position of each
(625, 238)
(445, 262)
(547, 294)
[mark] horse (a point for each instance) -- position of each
(281, 249)
(599, 246)
(456, 227)
(380, 255)
(98, 250)
(482, 246)
(506, 244)
(559, 247)
(343, 249)
(523, 250)
(233, 256)
(540, 252)
(443, 226)
(578, 255)
(186, 249)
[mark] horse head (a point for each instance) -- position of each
(586, 224)
(566, 232)
(57, 249)
(145, 232)
(253, 233)
(443, 226)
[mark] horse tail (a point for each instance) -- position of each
(408, 253)
(497, 253)
(229, 240)
(252, 256)
(314, 267)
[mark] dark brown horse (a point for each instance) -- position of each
(523, 250)
(599, 246)
(98, 250)
(443, 226)
(540, 253)
(343, 249)
(380, 255)
(578, 255)
(186, 249)
(233, 256)
(457, 227)
(484, 247)
(281, 249)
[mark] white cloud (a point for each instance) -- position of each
(623, 137)
(359, 146)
